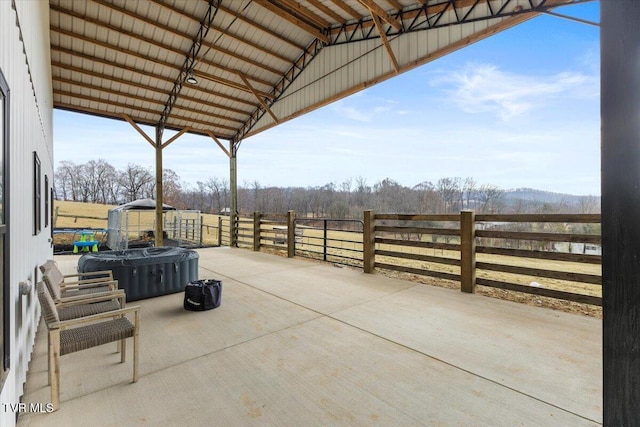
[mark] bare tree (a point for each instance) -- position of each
(67, 181)
(98, 182)
(363, 193)
(136, 182)
(429, 198)
(490, 198)
(469, 193)
(171, 187)
(451, 193)
(588, 205)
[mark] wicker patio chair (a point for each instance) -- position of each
(88, 305)
(62, 290)
(88, 277)
(82, 333)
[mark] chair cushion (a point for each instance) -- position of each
(82, 310)
(85, 337)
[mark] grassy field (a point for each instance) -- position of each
(348, 244)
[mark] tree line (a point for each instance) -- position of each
(99, 182)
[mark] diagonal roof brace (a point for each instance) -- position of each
(189, 62)
(385, 41)
(375, 8)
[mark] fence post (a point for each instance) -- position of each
(219, 231)
(467, 252)
(368, 242)
(256, 231)
(291, 234)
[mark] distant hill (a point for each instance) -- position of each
(529, 194)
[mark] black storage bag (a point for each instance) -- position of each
(202, 295)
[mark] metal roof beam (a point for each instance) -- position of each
(303, 11)
(130, 107)
(375, 8)
(260, 27)
(189, 62)
(211, 77)
(144, 73)
(78, 70)
(351, 11)
(433, 13)
(225, 32)
(328, 11)
(395, 4)
(307, 56)
(186, 36)
(139, 98)
(148, 40)
(287, 16)
(118, 116)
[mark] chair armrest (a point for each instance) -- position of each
(88, 299)
(113, 285)
(88, 281)
(91, 319)
(84, 298)
(103, 273)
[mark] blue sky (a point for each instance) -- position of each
(520, 109)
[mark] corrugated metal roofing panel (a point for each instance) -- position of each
(114, 56)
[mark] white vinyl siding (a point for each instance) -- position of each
(25, 64)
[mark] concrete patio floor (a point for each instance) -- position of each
(297, 343)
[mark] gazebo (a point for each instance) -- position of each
(135, 221)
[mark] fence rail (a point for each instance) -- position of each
(321, 239)
(548, 255)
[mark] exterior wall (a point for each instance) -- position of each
(25, 64)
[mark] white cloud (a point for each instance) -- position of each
(484, 88)
(364, 108)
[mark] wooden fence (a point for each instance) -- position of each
(553, 255)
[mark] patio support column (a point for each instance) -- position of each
(620, 171)
(233, 183)
(291, 234)
(159, 242)
(369, 243)
(256, 231)
(467, 252)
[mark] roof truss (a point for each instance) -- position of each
(111, 58)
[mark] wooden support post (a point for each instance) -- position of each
(201, 229)
(159, 199)
(291, 234)
(369, 243)
(620, 157)
(54, 366)
(256, 231)
(219, 231)
(233, 183)
(467, 252)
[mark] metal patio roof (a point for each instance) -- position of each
(257, 63)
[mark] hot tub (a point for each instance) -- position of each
(145, 272)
